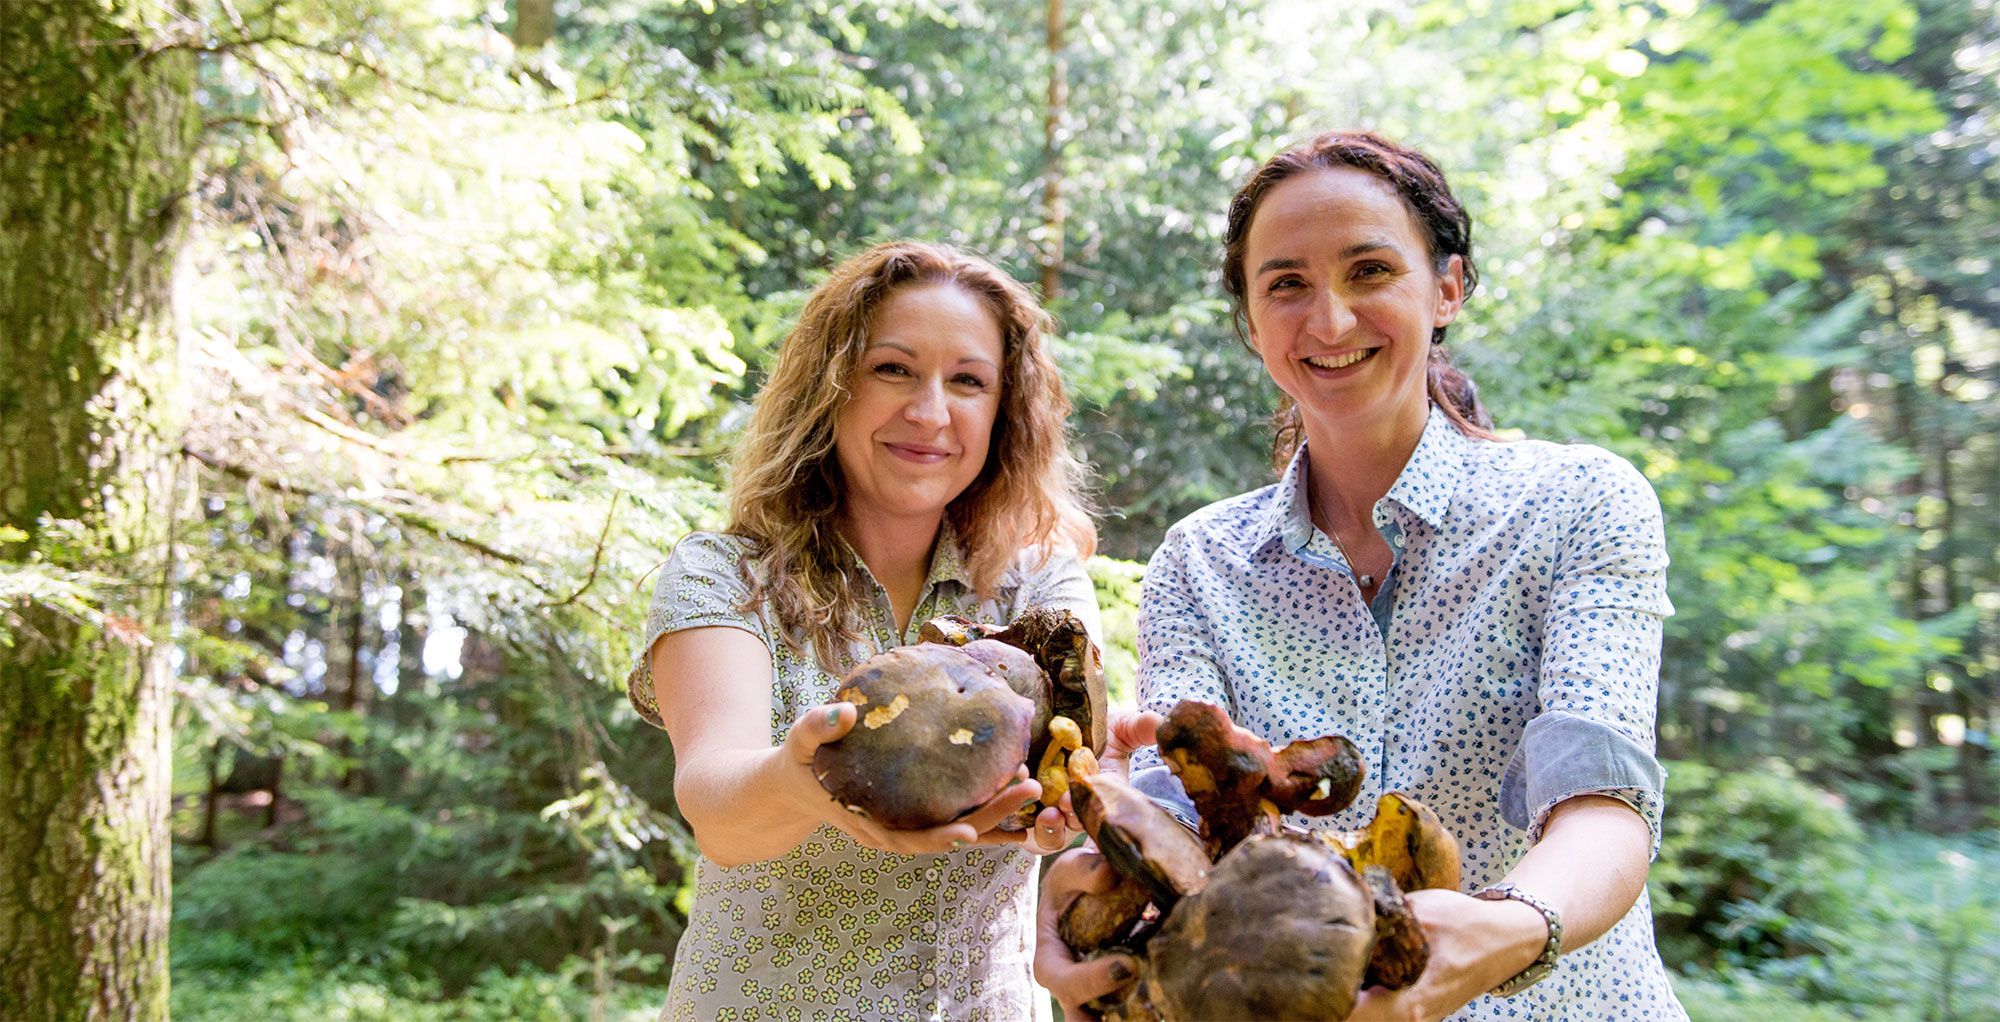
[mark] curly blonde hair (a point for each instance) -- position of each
(786, 492)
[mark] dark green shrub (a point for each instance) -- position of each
(1753, 866)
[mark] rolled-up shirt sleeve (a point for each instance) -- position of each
(1600, 665)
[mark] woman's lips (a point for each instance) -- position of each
(1320, 372)
(921, 454)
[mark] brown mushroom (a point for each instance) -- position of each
(1407, 839)
(1097, 921)
(1316, 776)
(1401, 950)
(1061, 645)
(1047, 655)
(1284, 929)
(1018, 669)
(1224, 770)
(953, 630)
(938, 734)
(1140, 839)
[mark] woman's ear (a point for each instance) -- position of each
(1451, 291)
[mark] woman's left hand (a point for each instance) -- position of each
(1475, 946)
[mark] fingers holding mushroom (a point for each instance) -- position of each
(937, 734)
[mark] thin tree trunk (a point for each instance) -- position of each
(212, 796)
(1924, 800)
(97, 138)
(358, 693)
(1055, 213)
(534, 23)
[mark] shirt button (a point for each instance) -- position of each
(930, 979)
(930, 928)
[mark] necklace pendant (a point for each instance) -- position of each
(1367, 581)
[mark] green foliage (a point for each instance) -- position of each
(1917, 941)
(472, 329)
(1752, 866)
(73, 594)
(1117, 586)
(308, 990)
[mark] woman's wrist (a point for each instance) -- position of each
(1547, 943)
(749, 805)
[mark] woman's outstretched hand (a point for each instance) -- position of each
(1129, 732)
(823, 724)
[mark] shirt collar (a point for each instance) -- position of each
(1429, 481)
(947, 560)
(1425, 487)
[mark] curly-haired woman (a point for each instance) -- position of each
(908, 457)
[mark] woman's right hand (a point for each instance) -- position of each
(831, 722)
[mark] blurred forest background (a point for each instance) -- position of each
(363, 357)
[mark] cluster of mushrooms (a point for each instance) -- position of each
(1253, 918)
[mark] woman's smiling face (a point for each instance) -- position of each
(919, 422)
(1342, 297)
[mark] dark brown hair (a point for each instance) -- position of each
(1447, 231)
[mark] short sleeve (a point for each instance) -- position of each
(702, 585)
(1600, 669)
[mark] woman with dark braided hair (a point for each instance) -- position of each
(1482, 618)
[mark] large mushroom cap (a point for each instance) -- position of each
(1017, 667)
(938, 734)
(1283, 930)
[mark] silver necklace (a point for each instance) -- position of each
(1364, 580)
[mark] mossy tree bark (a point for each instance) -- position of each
(98, 128)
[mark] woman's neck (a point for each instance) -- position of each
(1349, 469)
(898, 553)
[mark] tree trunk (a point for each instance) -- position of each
(534, 23)
(1055, 212)
(97, 138)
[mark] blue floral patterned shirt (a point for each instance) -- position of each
(1509, 660)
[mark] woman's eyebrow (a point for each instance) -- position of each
(1293, 263)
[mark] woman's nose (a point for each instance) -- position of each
(1330, 317)
(926, 407)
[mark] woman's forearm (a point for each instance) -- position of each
(735, 802)
(1590, 865)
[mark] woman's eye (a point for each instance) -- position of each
(1371, 269)
(1285, 284)
(970, 381)
(892, 369)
